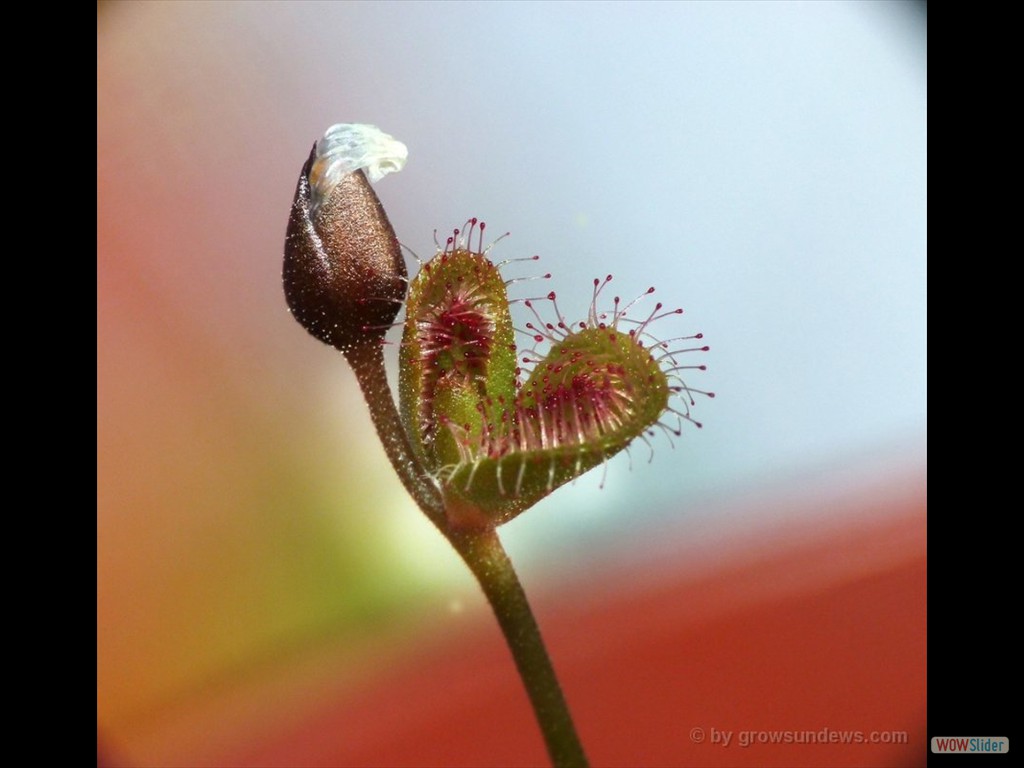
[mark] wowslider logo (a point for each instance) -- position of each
(970, 744)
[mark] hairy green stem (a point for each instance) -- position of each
(368, 363)
(485, 556)
(482, 551)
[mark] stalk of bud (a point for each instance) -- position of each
(345, 279)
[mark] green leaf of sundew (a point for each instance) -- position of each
(496, 446)
(458, 339)
(457, 408)
(596, 391)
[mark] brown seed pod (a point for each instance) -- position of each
(344, 276)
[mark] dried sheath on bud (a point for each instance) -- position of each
(344, 276)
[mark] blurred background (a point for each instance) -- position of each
(268, 594)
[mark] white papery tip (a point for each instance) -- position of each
(349, 147)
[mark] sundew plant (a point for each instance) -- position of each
(484, 428)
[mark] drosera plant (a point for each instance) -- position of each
(484, 430)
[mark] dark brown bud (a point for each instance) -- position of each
(344, 276)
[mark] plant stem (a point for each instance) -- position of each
(368, 363)
(485, 556)
(482, 551)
